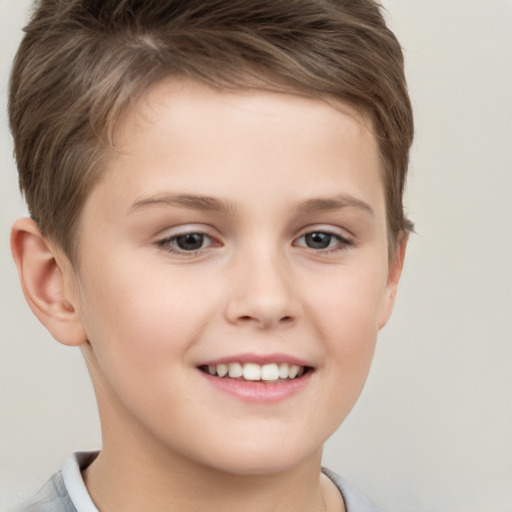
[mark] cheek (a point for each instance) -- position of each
(140, 330)
(139, 319)
(347, 321)
(350, 333)
(349, 304)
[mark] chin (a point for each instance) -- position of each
(263, 460)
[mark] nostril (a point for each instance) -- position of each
(285, 320)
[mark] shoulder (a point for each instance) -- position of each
(65, 491)
(53, 497)
(355, 500)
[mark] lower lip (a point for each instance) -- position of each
(259, 392)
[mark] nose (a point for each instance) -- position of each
(261, 293)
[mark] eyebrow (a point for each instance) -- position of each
(206, 203)
(333, 203)
(193, 202)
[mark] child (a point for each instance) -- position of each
(215, 190)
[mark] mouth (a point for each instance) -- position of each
(269, 373)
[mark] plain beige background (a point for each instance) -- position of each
(433, 429)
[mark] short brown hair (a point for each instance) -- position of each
(81, 62)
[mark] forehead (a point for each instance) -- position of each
(182, 134)
(183, 102)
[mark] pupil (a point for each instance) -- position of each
(190, 242)
(318, 240)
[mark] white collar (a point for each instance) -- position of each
(75, 483)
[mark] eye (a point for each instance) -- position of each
(322, 241)
(190, 243)
(318, 240)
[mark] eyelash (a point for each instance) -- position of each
(166, 243)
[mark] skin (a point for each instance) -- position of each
(146, 313)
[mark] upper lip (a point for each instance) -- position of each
(260, 359)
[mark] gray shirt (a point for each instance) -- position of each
(66, 491)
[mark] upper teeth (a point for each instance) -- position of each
(254, 371)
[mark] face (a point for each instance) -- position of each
(240, 232)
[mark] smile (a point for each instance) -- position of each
(272, 372)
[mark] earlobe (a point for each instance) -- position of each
(43, 283)
(395, 271)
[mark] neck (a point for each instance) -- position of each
(136, 481)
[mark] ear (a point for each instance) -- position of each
(395, 271)
(48, 283)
